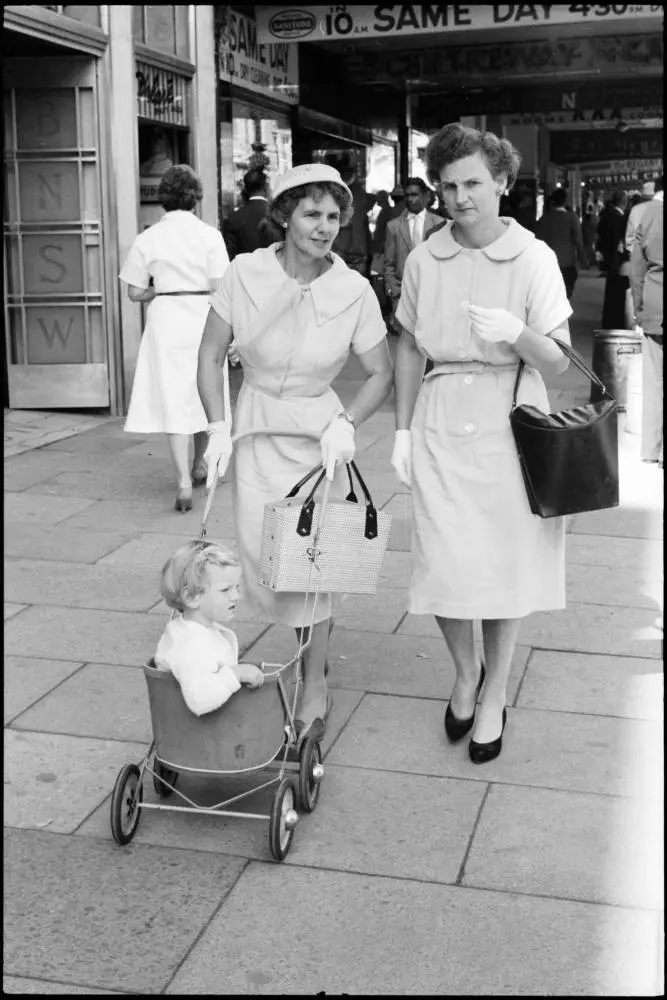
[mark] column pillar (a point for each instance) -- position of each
(124, 195)
(204, 107)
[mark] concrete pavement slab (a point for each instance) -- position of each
(544, 749)
(60, 542)
(13, 609)
(381, 612)
(116, 701)
(57, 781)
(79, 585)
(593, 628)
(98, 915)
(97, 444)
(624, 553)
(587, 628)
(37, 466)
(14, 984)
(27, 679)
(102, 486)
(596, 848)
(28, 509)
(156, 515)
(623, 522)
(371, 936)
(150, 551)
(630, 588)
(624, 686)
(121, 637)
(426, 824)
(387, 664)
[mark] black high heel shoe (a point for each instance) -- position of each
(455, 728)
(481, 753)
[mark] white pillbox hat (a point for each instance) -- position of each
(308, 173)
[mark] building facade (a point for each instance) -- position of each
(99, 100)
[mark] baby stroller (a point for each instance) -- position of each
(251, 733)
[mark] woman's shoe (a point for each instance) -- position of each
(199, 475)
(183, 500)
(481, 753)
(455, 728)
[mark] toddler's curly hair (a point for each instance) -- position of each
(184, 575)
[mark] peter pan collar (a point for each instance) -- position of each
(513, 242)
(267, 285)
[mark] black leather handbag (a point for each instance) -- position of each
(569, 459)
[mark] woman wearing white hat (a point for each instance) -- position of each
(294, 311)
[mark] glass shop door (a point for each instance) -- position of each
(56, 337)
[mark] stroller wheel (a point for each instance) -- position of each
(161, 775)
(310, 774)
(283, 819)
(127, 795)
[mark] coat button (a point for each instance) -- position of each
(469, 428)
(468, 380)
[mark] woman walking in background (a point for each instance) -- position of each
(173, 266)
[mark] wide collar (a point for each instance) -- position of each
(270, 289)
(511, 244)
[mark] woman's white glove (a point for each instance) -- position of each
(337, 444)
(218, 451)
(494, 325)
(401, 456)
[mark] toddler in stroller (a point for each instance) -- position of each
(201, 581)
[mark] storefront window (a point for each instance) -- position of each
(381, 173)
(162, 27)
(260, 137)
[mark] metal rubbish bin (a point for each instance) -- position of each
(612, 350)
(633, 401)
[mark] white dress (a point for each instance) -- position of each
(292, 340)
(477, 550)
(180, 253)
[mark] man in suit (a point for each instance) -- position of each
(404, 233)
(242, 230)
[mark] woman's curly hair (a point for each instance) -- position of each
(455, 141)
(283, 206)
(180, 188)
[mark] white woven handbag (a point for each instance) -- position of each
(332, 548)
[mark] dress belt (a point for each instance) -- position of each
(197, 292)
(465, 367)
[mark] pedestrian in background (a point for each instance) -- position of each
(615, 258)
(561, 230)
(295, 311)
(242, 230)
(650, 190)
(185, 260)
(478, 296)
(404, 233)
(646, 264)
(589, 227)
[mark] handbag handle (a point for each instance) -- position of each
(305, 522)
(576, 360)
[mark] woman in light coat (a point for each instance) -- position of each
(173, 266)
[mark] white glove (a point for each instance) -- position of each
(401, 456)
(494, 325)
(337, 444)
(218, 451)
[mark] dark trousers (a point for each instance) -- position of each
(613, 307)
(570, 279)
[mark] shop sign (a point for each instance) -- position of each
(593, 146)
(620, 178)
(346, 21)
(161, 95)
(265, 67)
(650, 117)
(483, 65)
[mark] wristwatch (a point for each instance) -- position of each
(344, 415)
